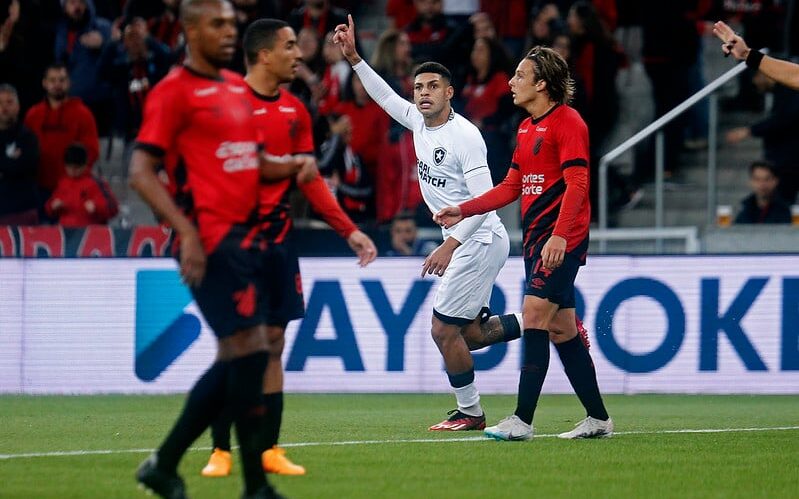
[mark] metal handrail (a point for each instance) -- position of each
(656, 126)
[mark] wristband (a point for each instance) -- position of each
(753, 59)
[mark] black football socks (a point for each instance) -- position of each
(204, 404)
(581, 373)
(535, 363)
(273, 418)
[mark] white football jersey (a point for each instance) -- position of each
(447, 156)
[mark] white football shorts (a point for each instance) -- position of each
(466, 285)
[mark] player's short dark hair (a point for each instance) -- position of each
(552, 68)
(766, 165)
(260, 35)
(433, 67)
(55, 66)
(190, 9)
(75, 154)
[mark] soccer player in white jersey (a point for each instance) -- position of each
(452, 167)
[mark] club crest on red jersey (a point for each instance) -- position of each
(538, 143)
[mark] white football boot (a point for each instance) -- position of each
(590, 428)
(510, 428)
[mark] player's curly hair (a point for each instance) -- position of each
(554, 70)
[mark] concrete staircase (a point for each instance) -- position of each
(685, 197)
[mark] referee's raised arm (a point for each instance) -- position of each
(783, 72)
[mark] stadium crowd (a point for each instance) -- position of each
(75, 71)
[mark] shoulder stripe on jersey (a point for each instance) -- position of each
(475, 168)
(574, 162)
(515, 166)
(150, 148)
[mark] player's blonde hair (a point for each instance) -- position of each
(552, 68)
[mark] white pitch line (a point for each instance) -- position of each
(383, 442)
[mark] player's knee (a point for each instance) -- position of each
(243, 343)
(277, 340)
(276, 347)
(560, 331)
(535, 319)
(560, 335)
(442, 332)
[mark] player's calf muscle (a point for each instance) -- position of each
(482, 335)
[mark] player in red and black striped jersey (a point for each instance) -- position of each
(283, 127)
(550, 173)
(202, 116)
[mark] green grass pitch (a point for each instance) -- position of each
(393, 459)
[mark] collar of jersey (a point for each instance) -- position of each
(536, 121)
(450, 118)
(267, 98)
(203, 75)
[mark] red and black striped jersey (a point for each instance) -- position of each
(283, 126)
(205, 124)
(551, 157)
(550, 172)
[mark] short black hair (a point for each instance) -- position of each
(75, 154)
(761, 163)
(190, 9)
(433, 67)
(260, 35)
(55, 66)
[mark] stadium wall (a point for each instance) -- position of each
(704, 324)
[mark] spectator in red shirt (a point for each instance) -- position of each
(81, 199)
(369, 122)
(488, 103)
(510, 20)
(58, 121)
(396, 177)
(334, 76)
(401, 12)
